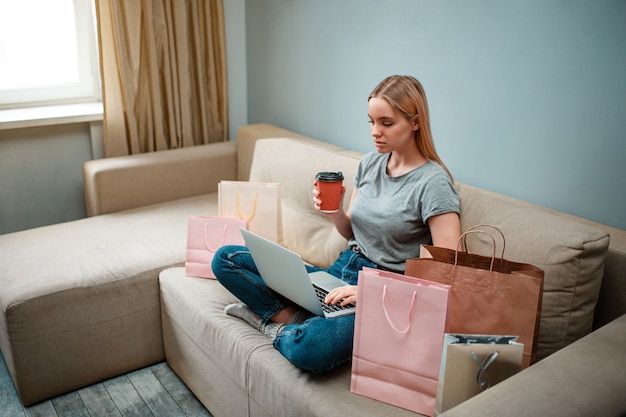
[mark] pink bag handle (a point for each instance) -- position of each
(206, 240)
(387, 313)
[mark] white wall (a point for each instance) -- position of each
(527, 98)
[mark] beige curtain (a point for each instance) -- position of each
(163, 65)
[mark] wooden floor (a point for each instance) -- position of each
(152, 391)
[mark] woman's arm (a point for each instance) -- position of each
(445, 230)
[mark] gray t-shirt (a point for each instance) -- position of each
(389, 214)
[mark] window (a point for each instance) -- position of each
(48, 53)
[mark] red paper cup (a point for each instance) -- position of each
(330, 185)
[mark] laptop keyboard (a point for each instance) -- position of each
(329, 308)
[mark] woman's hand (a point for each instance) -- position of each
(318, 203)
(316, 197)
(341, 218)
(342, 295)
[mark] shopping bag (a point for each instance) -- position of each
(472, 363)
(489, 295)
(256, 202)
(398, 339)
(205, 235)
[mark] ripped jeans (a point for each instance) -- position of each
(317, 345)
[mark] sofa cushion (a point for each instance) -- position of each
(205, 346)
(272, 379)
(84, 289)
(234, 369)
(305, 230)
(571, 254)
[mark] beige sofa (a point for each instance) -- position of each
(82, 301)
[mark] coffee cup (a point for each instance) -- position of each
(330, 187)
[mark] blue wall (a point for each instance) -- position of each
(527, 98)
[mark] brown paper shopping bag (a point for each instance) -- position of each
(472, 363)
(256, 202)
(489, 295)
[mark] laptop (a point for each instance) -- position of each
(284, 272)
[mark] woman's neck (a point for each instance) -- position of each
(399, 163)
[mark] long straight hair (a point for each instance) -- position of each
(406, 96)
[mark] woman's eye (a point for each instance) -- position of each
(385, 124)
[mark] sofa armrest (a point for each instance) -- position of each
(583, 379)
(120, 183)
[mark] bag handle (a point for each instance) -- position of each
(469, 232)
(481, 376)
(241, 215)
(491, 227)
(206, 238)
(387, 313)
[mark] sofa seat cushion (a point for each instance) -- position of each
(572, 255)
(195, 325)
(305, 230)
(272, 379)
(234, 360)
(117, 245)
(87, 290)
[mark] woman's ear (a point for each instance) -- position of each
(416, 124)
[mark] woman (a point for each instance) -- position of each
(403, 197)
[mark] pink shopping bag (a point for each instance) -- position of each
(205, 235)
(398, 339)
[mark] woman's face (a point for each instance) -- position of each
(391, 131)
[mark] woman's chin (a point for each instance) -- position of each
(381, 148)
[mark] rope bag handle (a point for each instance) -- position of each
(408, 315)
(251, 215)
(206, 238)
(469, 232)
(491, 227)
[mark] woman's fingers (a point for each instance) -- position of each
(342, 295)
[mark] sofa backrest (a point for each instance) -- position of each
(293, 163)
(571, 254)
(246, 139)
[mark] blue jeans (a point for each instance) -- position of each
(317, 345)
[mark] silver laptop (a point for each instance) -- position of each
(284, 272)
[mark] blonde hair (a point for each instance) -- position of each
(406, 96)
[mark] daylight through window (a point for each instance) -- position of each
(47, 52)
